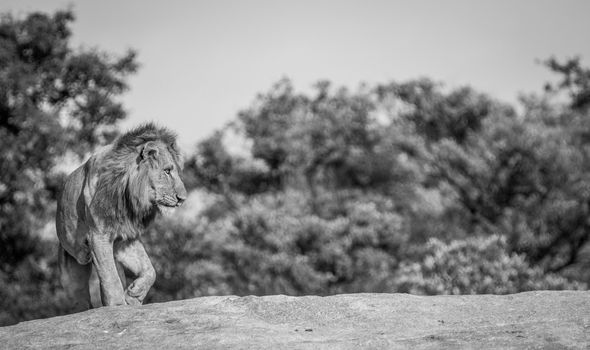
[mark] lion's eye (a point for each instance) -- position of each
(167, 171)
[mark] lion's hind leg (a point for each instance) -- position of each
(121, 272)
(74, 279)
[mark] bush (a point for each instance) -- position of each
(480, 265)
(32, 290)
(273, 245)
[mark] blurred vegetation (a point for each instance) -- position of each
(56, 104)
(396, 187)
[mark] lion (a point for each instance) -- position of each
(104, 207)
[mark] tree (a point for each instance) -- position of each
(54, 101)
(435, 114)
(474, 266)
(575, 81)
(454, 162)
(329, 141)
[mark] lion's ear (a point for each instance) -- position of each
(150, 149)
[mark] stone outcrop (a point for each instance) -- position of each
(533, 320)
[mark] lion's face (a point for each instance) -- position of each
(166, 189)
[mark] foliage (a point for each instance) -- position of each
(452, 164)
(575, 81)
(56, 104)
(523, 176)
(273, 244)
(52, 99)
(331, 141)
(437, 115)
(474, 266)
(31, 290)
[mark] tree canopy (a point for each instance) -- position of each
(401, 186)
(56, 103)
(53, 99)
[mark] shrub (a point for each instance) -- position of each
(479, 265)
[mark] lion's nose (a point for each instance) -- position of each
(180, 199)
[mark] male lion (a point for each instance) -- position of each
(106, 204)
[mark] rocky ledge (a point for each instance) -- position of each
(533, 320)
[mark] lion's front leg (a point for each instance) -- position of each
(132, 255)
(111, 289)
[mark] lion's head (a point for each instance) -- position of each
(139, 176)
(160, 169)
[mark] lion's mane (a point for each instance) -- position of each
(122, 197)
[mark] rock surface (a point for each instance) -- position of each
(534, 320)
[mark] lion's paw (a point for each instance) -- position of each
(129, 300)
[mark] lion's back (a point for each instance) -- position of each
(71, 223)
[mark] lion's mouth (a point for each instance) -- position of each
(167, 205)
(166, 209)
(168, 202)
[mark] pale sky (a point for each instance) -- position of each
(203, 61)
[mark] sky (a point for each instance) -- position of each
(203, 61)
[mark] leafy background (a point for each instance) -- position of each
(393, 187)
